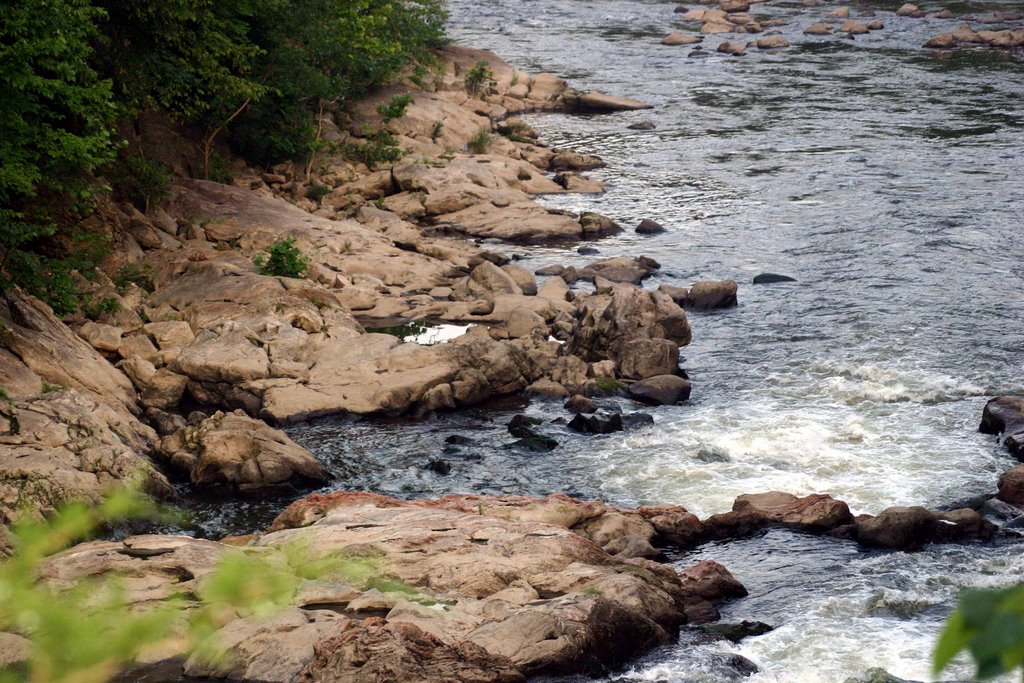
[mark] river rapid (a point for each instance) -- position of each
(889, 181)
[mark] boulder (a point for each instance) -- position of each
(580, 404)
(731, 48)
(160, 389)
(234, 450)
(597, 225)
(64, 446)
(101, 337)
(853, 28)
(628, 313)
(622, 269)
(170, 334)
(752, 512)
(711, 581)
(523, 278)
(660, 390)
(594, 102)
(1011, 485)
(818, 29)
(1005, 415)
(707, 295)
(908, 10)
(736, 632)
(772, 43)
(489, 279)
(649, 227)
(911, 528)
(643, 358)
(680, 39)
(770, 278)
(523, 322)
(598, 423)
(942, 41)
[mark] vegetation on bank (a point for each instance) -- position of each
(252, 73)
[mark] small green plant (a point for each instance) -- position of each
(106, 305)
(316, 192)
(593, 590)
(515, 80)
(141, 180)
(608, 385)
(394, 108)
(379, 203)
(219, 170)
(480, 142)
(51, 388)
(134, 274)
(379, 148)
(435, 131)
(285, 260)
(480, 79)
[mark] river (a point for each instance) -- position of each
(889, 181)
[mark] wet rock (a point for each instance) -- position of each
(596, 225)
(595, 102)
(622, 269)
(731, 48)
(459, 440)
(1011, 485)
(636, 420)
(840, 13)
(649, 227)
(772, 43)
(909, 10)
(660, 390)
(234, 450)
(911, 528)
(876, 26)
(537, 443)
(442, 467)
(942, 41)
(649, 125)
(675, 39)
(707, 295)
(580, 404)
(944, 14)
(770, 278)
(753, 512)
(575, 183)
(101, 337)
(522, 425)
(711, 581)
(597, 423)
(737, 631)
(546, 389)
(853, 28)
(1005, 415)
(574, 161)
(819, 29)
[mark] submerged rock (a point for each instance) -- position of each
(738, 631)
(649, 227)
(769, 278)
(597, 423)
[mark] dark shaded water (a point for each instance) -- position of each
(889, 180)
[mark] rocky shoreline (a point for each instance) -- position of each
(204, 356)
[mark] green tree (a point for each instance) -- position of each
(55, 130)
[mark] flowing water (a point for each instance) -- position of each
(889, 181)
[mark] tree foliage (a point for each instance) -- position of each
(989, 624)
(253, 71)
